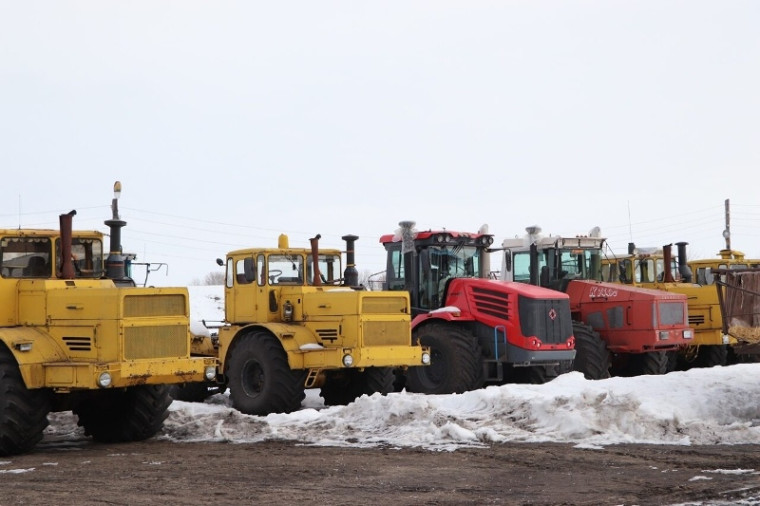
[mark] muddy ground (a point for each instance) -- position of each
(159, 471)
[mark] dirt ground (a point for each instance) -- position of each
(158, 471)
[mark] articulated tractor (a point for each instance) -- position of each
(479, 330)
(76, 334)
(619, 329)
(293, 321)
(657, 268)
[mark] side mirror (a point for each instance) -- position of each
(220, 262)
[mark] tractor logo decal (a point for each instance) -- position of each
(552, 314)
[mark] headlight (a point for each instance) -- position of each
(425, 358)
(104, 380)
(688, 334)
(348, 360)
(210, 373)
(664, 335)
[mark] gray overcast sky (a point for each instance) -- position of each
(230, 122)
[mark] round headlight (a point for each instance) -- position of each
(426, 358)
(104, 380)
(348, 360)
(210, 373)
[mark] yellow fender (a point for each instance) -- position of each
(32, 348)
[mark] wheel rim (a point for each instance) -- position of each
(438, 370)
(252, 378)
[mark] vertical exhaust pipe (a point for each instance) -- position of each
(315, 259)
(67, 265)
(351, 275)
(409, 255)
(683, 266)
(667, 258)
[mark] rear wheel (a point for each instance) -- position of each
(260, 379)
(591, 355)
(455, 362)
(345, 386)
(23, 412)
(123, 415)
(712, 355)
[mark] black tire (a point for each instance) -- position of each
(193, 392)
(539, 375)
(455, 365)
(23, 412)
(124, 415)
(260, 379)
(591, 355)
(345, 386)
(711, 356)
(653, 362)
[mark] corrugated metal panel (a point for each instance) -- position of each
(387, 333)
(156, 342)
(154, 305)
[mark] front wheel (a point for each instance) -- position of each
(455, 361)
(124, 415)
(345, 386)
(23, 412)
(260, 379)
(591, 355)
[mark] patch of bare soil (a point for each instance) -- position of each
(157, 471)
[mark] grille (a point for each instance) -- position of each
(330, 335)
(697, 319)
(387, 333)
(154, 305)
(78, 343)
(547, 319)
(492, 303)
(156, 342)
(384, 305)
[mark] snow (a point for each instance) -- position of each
(698, 407)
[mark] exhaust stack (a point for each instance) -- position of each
(315, 259)
(67, 265)
(683, 266)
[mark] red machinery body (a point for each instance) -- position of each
(631, 320)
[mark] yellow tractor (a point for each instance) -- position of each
(76, 334)
(658, 268)
(293, 321)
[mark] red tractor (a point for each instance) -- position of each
(619, 329)
(480, 331)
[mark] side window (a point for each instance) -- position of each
(521, 267)
(230, 273)
(240, 272)
(25, 257)
(86, 255)
(261, 264)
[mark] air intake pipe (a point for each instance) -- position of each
(350, 275)
(116, 261)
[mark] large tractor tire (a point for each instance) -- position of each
(124, 415)
(539, 375)
(591, 355)
(711, 356)
(345, 386)
(641, 364)
(259, 377)
(23, 412)
(455, 363)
